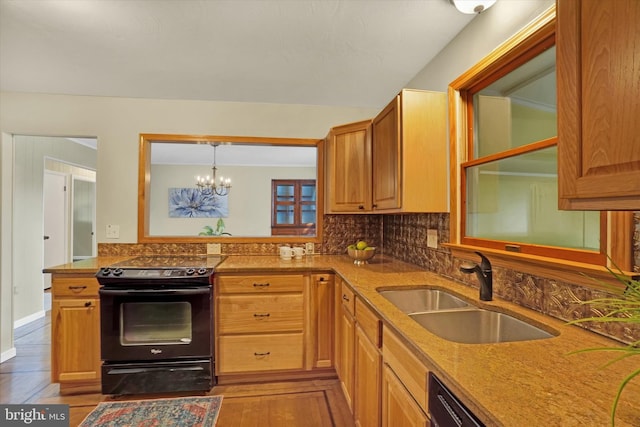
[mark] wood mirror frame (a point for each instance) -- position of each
(144, 185)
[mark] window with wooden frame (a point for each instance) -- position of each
(293, 207)
(504, 146)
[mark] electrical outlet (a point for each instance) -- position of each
(214, 248)
(309, 248)
(113, 231)
(432, 238)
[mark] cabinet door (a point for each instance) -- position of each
(347, 337)
(76, 340)
(349, 168)
(386, 157)
(322, 320)
(398, 407)
(368, 365)
(598, 85)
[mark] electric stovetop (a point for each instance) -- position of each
(160, 270)
(171, 261)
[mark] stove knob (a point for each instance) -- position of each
(190, 271)
(118, 272)
(202, 271)
(105, 271)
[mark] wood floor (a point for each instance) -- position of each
(309, 403)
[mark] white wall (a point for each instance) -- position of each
(30, 155)
(117, 122)
(482, 35)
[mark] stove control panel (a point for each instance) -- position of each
(154, 273)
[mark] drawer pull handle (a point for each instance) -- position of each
(260, 285)
(261, 315)
(87, 304)
(261, 354)
(344, 297)
(77, 288)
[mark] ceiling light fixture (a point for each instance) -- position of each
(472, 6)
(208, 184)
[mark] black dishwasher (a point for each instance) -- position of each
(445, 409)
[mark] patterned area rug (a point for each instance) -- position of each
(179, 412)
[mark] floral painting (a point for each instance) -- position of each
(195, 203)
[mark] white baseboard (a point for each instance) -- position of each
(6, 355)
(35, 316)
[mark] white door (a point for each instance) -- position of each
(55, 222)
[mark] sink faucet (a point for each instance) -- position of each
(485, 277)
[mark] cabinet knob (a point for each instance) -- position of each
(344, 297)
(361, 207)
(87, 304)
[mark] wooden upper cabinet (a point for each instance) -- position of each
(387, 160)
(598, 76)
(348, 163)
(410, 154)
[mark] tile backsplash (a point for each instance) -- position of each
(405, 237)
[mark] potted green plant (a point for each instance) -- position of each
(621, 307)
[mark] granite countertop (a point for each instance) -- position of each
(522, 383)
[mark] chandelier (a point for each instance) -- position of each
(210, 184)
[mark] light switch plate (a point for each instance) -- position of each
(214, 248)
(113, 231)
(432, 238)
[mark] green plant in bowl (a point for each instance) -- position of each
(623, 308)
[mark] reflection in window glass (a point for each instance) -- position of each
(516, 199)
(517, 109)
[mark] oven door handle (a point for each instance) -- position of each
(181, 291)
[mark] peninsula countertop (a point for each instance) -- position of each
(524, 383)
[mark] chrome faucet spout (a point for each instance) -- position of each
(484, 274)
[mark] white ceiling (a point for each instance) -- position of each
(318, 52)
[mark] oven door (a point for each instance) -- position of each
(155, 324)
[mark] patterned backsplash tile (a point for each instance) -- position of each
(404, 236)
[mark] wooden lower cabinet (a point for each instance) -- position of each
(399, 409)
(75, 339)
(368, 365)
(274, 324)
(321, 320)
(347, 341)
(267, 352)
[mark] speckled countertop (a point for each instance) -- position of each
(527, 383)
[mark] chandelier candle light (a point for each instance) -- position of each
(208, 184)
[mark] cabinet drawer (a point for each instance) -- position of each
(260, 313)
(74, 286)
(260, 283)
(407, 367)
(369, 323)
(247, 353)
(348, 299)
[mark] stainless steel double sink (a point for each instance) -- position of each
(454, 319)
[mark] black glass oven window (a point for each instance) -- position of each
(150, 323)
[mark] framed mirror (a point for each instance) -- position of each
(272, 189)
